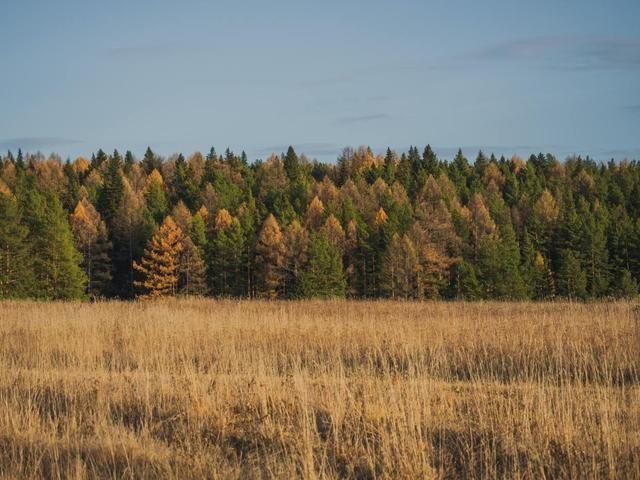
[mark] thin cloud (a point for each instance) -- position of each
(35, 143)
(566, 53)
(349, 120)
(633, 108)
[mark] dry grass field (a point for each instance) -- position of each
(229, 389)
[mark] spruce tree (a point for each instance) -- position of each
(16, 262)
(56, 261)
(155, 198)
(324, 276)
(572, 279)
(112, 189)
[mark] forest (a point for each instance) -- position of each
(392, 225)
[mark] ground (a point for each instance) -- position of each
(337, 389)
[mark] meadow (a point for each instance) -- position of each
(319, 390)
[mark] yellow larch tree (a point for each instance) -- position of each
(92, 240)
(314, 218)
(160, 264)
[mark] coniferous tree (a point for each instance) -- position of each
(56, 262)
(296, 243)
(16, 262)
(191, 269)
(270, 259)
(324, 276)
(160, 265)
(572, 279)
(156, 200)
(226, 256)
(130, 233)
(464, 282)
(150, 162)
(112, 190)
(402, 268)
(92, 240)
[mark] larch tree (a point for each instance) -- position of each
(92, 240)
(192, 268)
(315, 215)
(296, 242)
(129, 234)
(160, 264)
(402, 268)
(270, 259)
(335, 233)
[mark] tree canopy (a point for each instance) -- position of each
(404, 225)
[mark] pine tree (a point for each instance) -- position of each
(150, 162)
(112, 190)
(572, 279)
(626, 286)
(464, 282)
(160, 264)
(292, 164)
(16, 263)
(389, 168)
(324, 277)
(226, 256)
(129, 162)
(56, 261)
(91, 239)
(156, 200)
(184, 185)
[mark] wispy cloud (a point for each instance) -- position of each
(351, 119)
(35, 143)
(565, 52)
(633, 108)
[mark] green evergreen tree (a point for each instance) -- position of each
(16, 262)
(56, 261)
(572, 279)
(112, 190)
(184, 185)
(464, 282)
(324, 277)
(150, 162)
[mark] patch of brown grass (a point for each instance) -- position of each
(234, 389)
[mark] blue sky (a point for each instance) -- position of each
(505, 76)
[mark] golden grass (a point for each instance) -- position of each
(238, 389)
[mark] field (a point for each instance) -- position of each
(238, 389)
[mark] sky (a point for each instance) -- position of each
(502, 76)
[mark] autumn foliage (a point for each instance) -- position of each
(396, 225)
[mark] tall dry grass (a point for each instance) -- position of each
(225, 389)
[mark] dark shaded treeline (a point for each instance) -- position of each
(370, 226)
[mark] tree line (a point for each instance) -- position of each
(404, 226)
